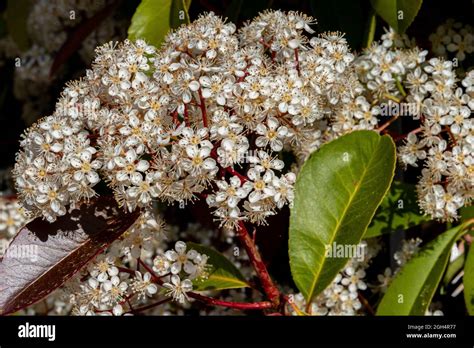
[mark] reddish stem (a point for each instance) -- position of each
(202, 105)
(366, 304)
(210, 300)
(149, 270)
(297, 62)
(126, 270)
(269, 287)
(236, 305)
(232, 171)
(386, 124)
(398, 137)
(152, 305)
(451, 136)
(175, 117)
(11, 197)
(186, 117)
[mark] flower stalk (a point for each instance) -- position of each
(269, 287)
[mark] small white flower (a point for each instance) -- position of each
(129, 168)
(353, 279)
(181, 259)
(231, 192)
(178, 288)
(262, 187)
(263, 162)
(271, 134)
(198, 160)
(143, 286)
(161, 265)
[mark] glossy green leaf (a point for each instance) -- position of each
(153, 19)
(179, 13)
(336, 195)
(466, 213)
(454, 267)
(370, 29)
(399, 14)
(222, 273)
(399, 210)
(16, 16)
(412, 289)
(468, 281)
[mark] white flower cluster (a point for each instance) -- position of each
(453, 38)
(110, 288)
(141, 239)
(181, 121)
(409, 248)
(393, 39)
(444, 141)
(183, 266)
(12, 218)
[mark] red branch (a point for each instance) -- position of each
(297, 62)
(232, 171)
(152, 305)
(202, 105)
(269, 287)
(236, 305)
(386, 124)
(186, 117)
(210, 300)
(175, 117)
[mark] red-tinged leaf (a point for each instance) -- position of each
(77, 36)
(43, 255)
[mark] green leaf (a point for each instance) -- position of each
(399, 210)
(179, 13)
(153, 19)
(412, 289)
(222, 273)
(370, 29)
(466, 213)
(399, 14)
(16, 16)
(336, 195)
(454, 267)
(468, 281)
